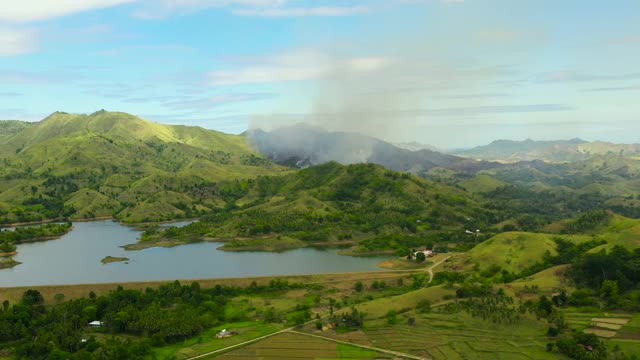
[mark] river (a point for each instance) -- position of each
(75, 259)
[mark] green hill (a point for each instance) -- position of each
(515, 251)
(333, 202)
(116, 164)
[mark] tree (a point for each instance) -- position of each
(420, 257)
(392, 317)
(609, 291)
(32, 297)
(358, 286)
(59, 297)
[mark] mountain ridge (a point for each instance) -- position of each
(570, 150)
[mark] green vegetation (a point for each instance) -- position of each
(10, 127)
(6, 263)
(111, 259)
(117, 165)
(35, 233)
(332, 203)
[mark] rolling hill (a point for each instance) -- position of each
(303, 145)
(334, 202)
(116, 164)
(551, 151)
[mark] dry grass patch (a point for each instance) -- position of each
(600, 332)
(617, 321)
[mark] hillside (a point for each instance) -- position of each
(302, 145)
(333, 202)
(551, 151)
(116, 164)
(10, 127)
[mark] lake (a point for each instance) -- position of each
(75, 259)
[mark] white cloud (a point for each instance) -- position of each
(305, 64)
(303, 11)
(159, 9)
(35, 10)
(17, 41)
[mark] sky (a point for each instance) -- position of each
(450, 73)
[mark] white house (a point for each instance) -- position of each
(96, 324)
(223, 333)
(427, 253)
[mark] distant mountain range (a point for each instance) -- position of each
(302, 145)
(551, 151)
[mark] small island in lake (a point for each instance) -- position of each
(9, 262)
(112, 259)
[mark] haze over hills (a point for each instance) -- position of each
(302, 145)
(552, 151)
(116, 164)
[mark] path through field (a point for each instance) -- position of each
(430, 269)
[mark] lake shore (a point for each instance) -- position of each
(267, 244)
(74, 291)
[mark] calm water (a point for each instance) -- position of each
(75, 258)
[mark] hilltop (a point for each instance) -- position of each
(551, 151)
(118, 165)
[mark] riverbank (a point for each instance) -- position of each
(13, 294)
(99, 218)
(403, 264)
(277, 243)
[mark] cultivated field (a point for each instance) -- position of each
(298, 346)
(453, 336)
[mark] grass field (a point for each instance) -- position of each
(297, 346)
(207, 341)
(515, 251)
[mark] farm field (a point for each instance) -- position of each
(620, 330)
(207, 340)
(298, 346)
(453, 336)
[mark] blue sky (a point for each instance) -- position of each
(452, 73)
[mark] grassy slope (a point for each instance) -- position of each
(515, 251)
(324, 202)
(115, 164)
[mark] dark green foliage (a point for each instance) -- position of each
(586, 222)
(168, 314)
(534, 209)
(483, 302)
(392, 317)
(619, 265)
(582, 346)
(420, 257)
(26, 234)
(348, 321)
